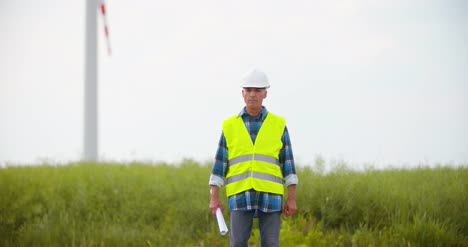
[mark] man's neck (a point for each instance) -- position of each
(254, 112)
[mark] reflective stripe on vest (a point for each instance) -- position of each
(258, 157)
(256, 175)
(254, 165)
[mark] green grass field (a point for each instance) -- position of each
(167, 205)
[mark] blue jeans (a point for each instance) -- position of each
(241, 228)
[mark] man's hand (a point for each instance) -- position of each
(290, 207)
(215, 203)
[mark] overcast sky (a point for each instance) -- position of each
(367, 82)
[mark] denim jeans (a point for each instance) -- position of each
(241, 228)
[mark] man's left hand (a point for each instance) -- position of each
(290, 207)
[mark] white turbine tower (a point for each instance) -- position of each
(91, 86)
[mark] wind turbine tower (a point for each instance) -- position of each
(91, 86)
(90, 146)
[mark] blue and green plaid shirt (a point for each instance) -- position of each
(253, 200)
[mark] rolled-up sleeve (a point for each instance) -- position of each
(219, 171)
(286, 159)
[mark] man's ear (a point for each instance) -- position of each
(266, 93)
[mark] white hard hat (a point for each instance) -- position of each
(255, 79)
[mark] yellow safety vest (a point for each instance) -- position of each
(254, 166)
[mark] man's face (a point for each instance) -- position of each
(253, 97)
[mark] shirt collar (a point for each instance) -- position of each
(262, 114)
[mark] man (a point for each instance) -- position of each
(254, 161)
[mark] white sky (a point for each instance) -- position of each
(366, 82)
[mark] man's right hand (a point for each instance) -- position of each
(215, 203)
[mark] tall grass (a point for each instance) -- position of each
(422, 207)
(167, 205)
